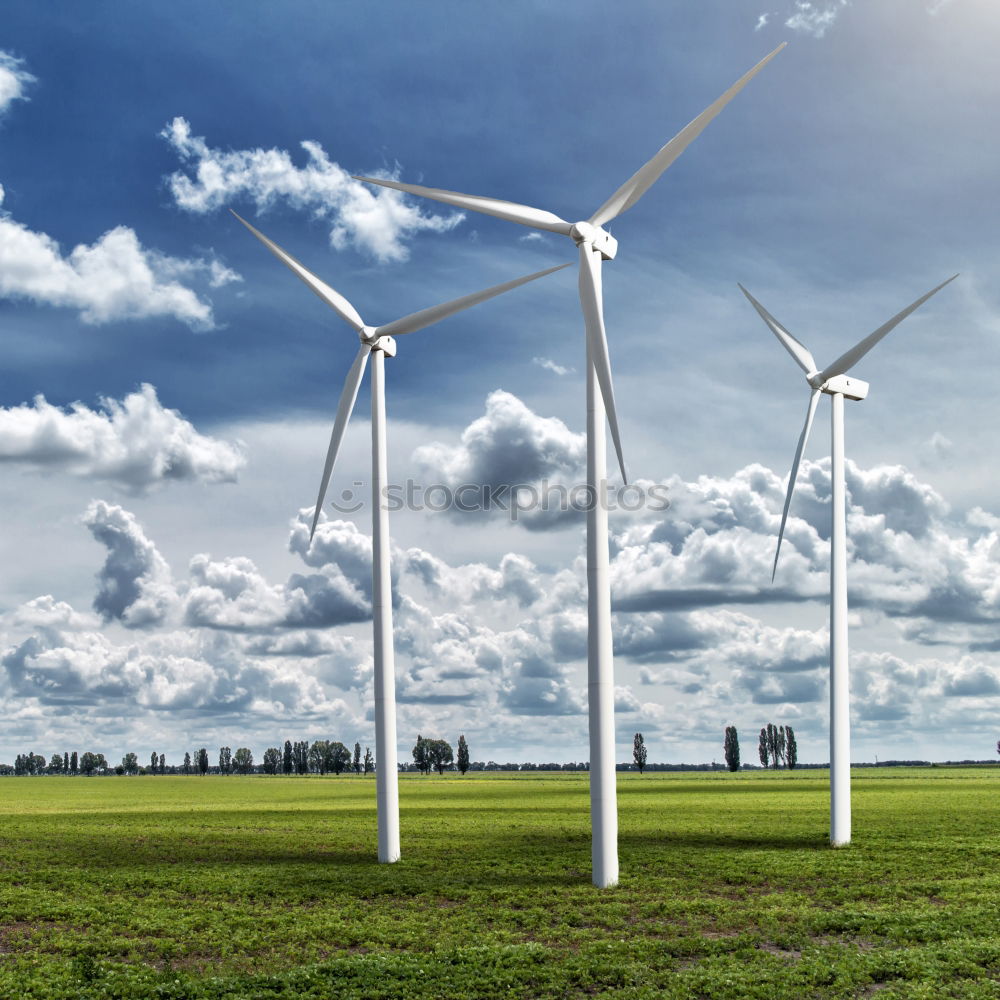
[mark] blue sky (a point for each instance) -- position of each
(157, 592)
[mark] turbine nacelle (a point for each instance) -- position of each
(849, 388)
(601, 240)
(370, 336)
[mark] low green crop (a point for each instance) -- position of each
(227, 887)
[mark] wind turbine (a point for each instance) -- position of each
(834, 381)
(596, 245)
(378, 343)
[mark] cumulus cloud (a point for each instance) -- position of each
(509, 446)
(376, 221)
(135, 444)
(516, 579)
(13, 81)
(908, 557)
(232, 594)
(814, 18)
(340, 544)
(114, 278)
(135, 587)
(183, 673)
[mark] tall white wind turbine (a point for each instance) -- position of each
(377, 343)
(596, 245)
(834, 381)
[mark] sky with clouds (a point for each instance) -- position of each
(168, 388)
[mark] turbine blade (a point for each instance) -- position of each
(418, 320)
(509, 210)
(344, 408)
(859, 350)
(644, 178)
(332, 298)
(591, 299)
(799, 352)
(803, 438)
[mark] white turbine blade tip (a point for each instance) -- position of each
(644, 178)
(850, 358)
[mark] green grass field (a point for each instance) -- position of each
(267, 887)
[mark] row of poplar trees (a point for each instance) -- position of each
(776, 747)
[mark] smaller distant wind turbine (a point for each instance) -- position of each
(377, 343)
(833, 381)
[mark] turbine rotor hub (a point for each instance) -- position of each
(387, 345)
(603, 242)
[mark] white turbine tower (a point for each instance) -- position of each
(833, 381)
(596, 245)
(378, 343)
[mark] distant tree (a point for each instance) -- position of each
(763, 750)
(163, 764)
(731, 749)
(100, 762)
(272, 760)
(791, 748)
(66, 769)
(639, 752)
(340, 757)
(356, 763)
(439, 755)
(225, 760)
(243, 760)
(56, 764)
(319, 757)
(300, 755)
(369, 763)
(287, 765)
(775, 738)
(420, 757)
(131, 763)
(187, 763)
(463, 754)
(154, 763)
(203, 761)
(74, 763)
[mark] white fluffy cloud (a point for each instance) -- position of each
(183, 672)
(135, 444)
(13, 80)
(232, 594)
(815, 18)
(376, 221)
(114, 278)
(509, 446)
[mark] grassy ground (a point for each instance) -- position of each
(214, 887)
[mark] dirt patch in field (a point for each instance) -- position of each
(14, 936)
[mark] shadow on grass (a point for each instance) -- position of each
(728, 841)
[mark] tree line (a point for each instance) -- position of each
(776, 747)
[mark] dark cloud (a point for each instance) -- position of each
(134, 584)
